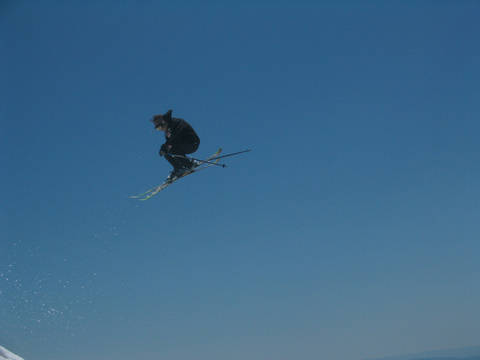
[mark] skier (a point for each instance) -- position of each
(181, 139)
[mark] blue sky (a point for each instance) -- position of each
(350, 231)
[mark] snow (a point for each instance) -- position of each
(8, 355)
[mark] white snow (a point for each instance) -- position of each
(8, 355)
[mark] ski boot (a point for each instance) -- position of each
(178, 173)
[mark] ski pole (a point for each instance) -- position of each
(227, 155)
(199, 160)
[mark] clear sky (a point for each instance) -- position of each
(351, 230)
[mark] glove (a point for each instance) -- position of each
(165, 149)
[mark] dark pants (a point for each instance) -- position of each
(181, 149)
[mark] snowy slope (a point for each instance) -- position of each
(7, 355)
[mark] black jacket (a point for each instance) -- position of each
(180, 132)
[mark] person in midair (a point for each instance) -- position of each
(181, 140)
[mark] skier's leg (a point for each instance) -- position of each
(182, 149)
(173, 161)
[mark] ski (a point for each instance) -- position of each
(210, 161)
